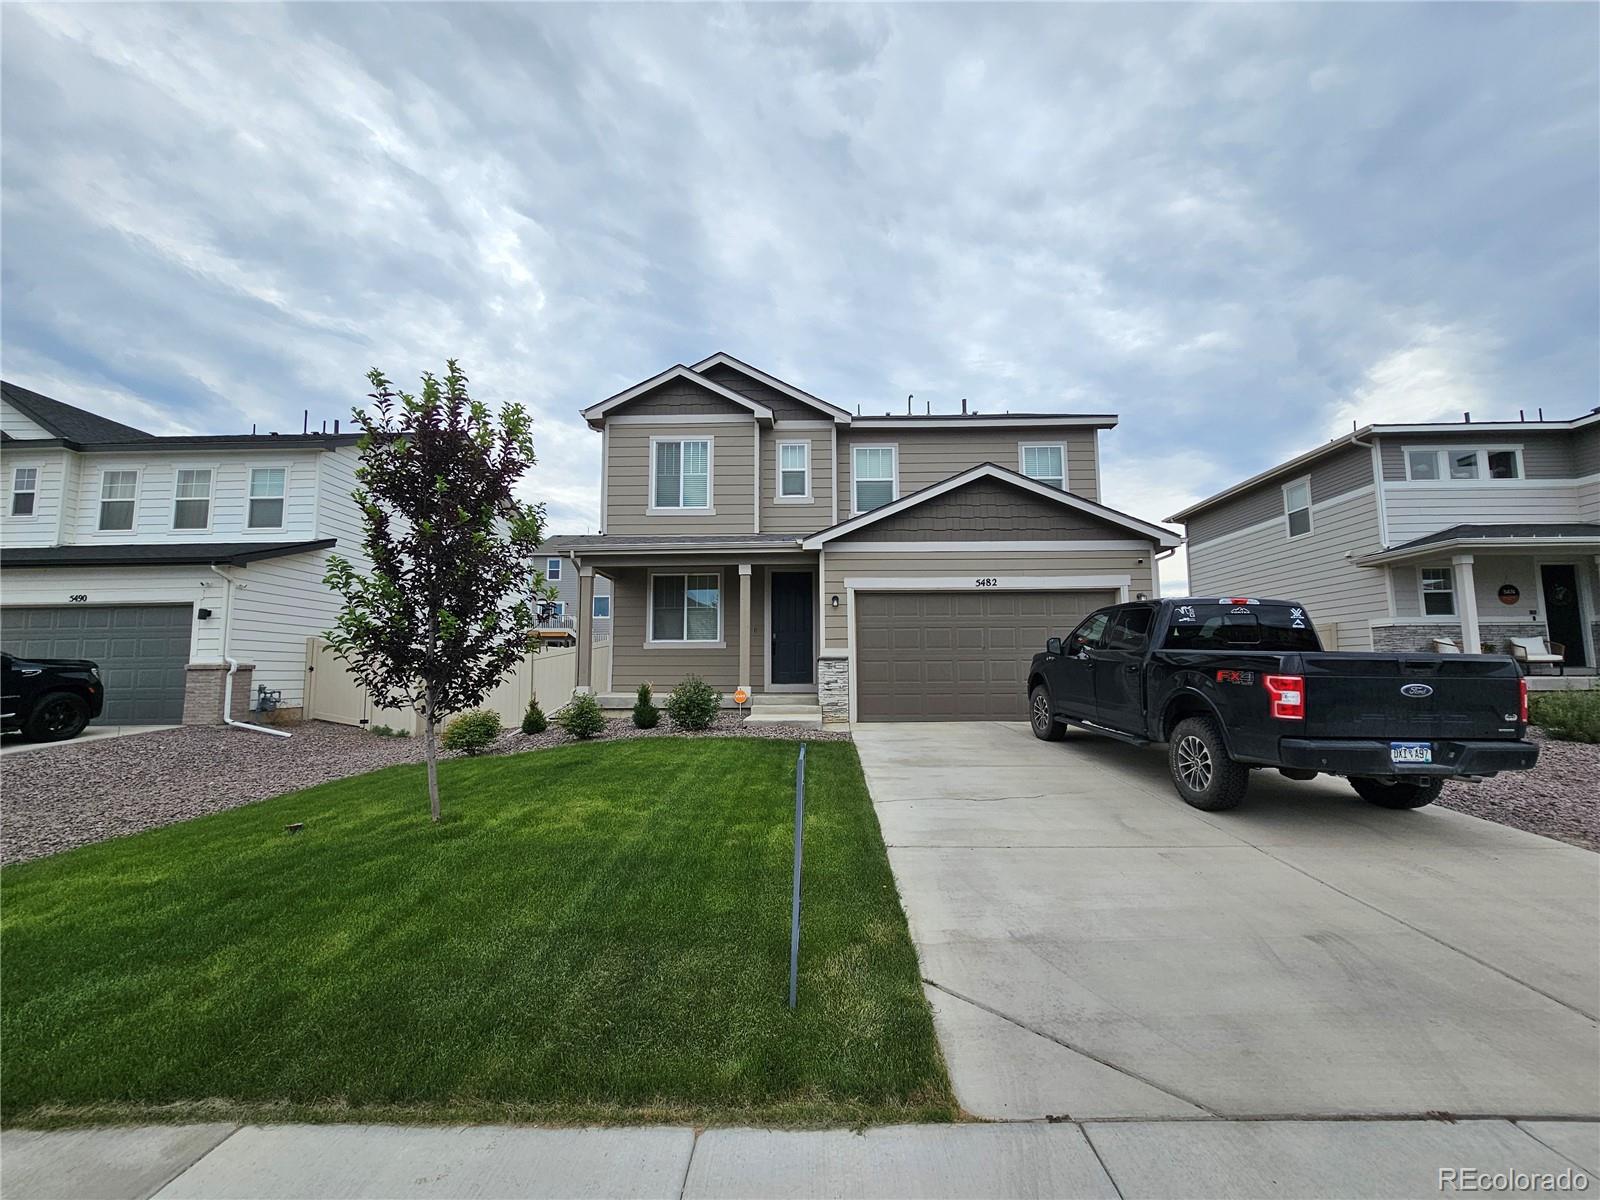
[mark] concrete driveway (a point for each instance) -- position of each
(1095, 948)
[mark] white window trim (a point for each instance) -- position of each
(1423, 593)
(894, 475)
(777, 484)
(249, 487)
(710, 509)
(11, 499)
(685, 643)
(211, 497)
(100, 501)
(605, 616)
(1310, 508)
(1442, 464)
(553, 575)
(1022, 460)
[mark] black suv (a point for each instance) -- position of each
(49, 699)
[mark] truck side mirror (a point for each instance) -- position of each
(1053, 646)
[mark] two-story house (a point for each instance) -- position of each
(162, 558)
(1397, 535)
(559, 574)
(890, 567)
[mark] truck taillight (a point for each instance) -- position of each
(1287, 694)
(1522, 699)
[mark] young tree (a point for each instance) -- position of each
(451, 602)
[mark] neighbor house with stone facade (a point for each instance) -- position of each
(875, 566)
(165, 559)
(1397, 536)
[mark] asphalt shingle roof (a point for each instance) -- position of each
(1457, 533)
(156, 554)
(65, 421)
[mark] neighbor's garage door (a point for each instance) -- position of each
(956, 656)
(141, 650)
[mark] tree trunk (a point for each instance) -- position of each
(431, 748)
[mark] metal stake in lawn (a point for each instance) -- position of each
(799, 850)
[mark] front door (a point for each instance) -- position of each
(793, 611)
(1562, 612)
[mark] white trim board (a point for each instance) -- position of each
(999, 583)
(682, 419)
(1000, 547)
(975, 422)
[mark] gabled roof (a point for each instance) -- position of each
(1165, 538)
(156, 554)
(721, 359)
(597, 412)
(65, 421)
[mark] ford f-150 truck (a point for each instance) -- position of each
(1240, 683)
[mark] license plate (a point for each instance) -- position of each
(1411, 752)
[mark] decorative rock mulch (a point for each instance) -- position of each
(64, 796)
(1559, 798)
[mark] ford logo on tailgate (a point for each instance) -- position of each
(1416, 691)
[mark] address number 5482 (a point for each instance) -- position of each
(986, 581)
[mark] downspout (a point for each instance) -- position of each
(1155, 569)
(1377, 485)
(233, 663)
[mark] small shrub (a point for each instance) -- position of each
(693, 704)
(472, 731)
(1567, 716)
(533, 721)
(582, 718)
(645, 714)
(386, 731)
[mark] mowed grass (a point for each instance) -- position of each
(592, 933)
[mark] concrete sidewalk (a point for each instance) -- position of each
(1111, 1159)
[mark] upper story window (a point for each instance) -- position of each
(680, 474)
(794, 470)
(1429, 464)
(267, 486)
(1297, 506)
(24, 491)
(1047, 464)
(191, 505)
(874, 477)
(552, 569)
(118, 491)
(1438, 591)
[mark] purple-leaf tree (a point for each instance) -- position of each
(452, 599)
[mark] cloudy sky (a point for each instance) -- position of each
(1240, 227)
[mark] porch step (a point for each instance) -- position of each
(772, 713)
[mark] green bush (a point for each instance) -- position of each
(582, 718)
(472, 731)
(645, 714)
(1567, 716)
(693, 704)
(533, 720)
(385, 731)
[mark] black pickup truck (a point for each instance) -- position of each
(1241, 683)
(49, 699)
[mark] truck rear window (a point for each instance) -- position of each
(1279, 627)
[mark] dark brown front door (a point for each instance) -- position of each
(792, 613)
(1563, 614)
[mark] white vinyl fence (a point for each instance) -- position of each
(334, 694)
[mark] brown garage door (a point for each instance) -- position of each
(956, 656)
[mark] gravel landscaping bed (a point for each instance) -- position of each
(1559, 798)
(55, 799)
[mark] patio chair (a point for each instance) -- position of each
(1445, 646)
(1536, 651)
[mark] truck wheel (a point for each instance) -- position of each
(1201, 770)
(1045, 726)
(1398, 793)
(57, 717)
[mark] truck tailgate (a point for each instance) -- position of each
(1422, 697)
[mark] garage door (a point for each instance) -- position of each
(141, 649)
(956, 656)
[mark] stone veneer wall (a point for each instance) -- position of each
(833, 689)
(1420, 637)
(203, 688)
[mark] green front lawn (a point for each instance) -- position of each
(593, 933)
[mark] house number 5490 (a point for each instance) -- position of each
(987, 581)
(78, 598)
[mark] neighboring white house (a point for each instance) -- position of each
(1399, 534)
(161, 557)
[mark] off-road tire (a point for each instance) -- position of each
(1400, 793)
(1205, 777)
(56, 717)
(1043, 722)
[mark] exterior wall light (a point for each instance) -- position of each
(835, 602)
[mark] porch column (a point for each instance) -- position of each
(1467, 593)
(581, 630)
(744, 627)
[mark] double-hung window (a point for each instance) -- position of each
(24, 491)
(873, 477)
(686, 608)
(680, 474)
(191, 505)
(267, 486)
(1047, 464)
(1297, 506)
(552, 569)
(118, 491)
(1438, 591)
(794, 470)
